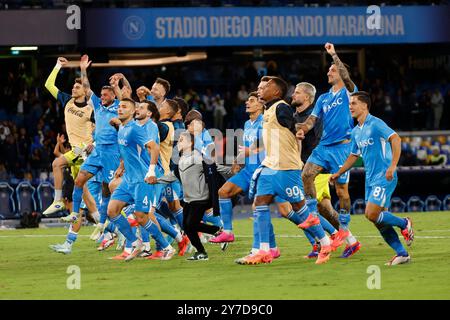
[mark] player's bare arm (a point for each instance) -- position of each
(114, 83)
(304, 127)
(125, 92)
(235, 167)
(395, 142)
(124, 80)
(142, 92)
(59, 147)
(115, 122)
(343, 72)
(345, 167)
(118, 78)
(120, 170)
(153, 150)
(84, 64)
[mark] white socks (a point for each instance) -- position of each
(265, 246)
(325, 241)
(350, 239)
(96, 216)
(58, 195)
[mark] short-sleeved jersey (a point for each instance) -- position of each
(153, 135)
(132, 139)
(371, 142)
(78, 119)
(334, 110)
(203, 142)
(178, 126)
(104, 132)
(253, 131)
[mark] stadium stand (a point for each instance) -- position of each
(7, 205)
(44, 194)
(397, 205)
(359, 206)
(432, 203)
(446, 203)
(25, 194)
(415, 204)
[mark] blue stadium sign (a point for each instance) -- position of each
(193, 27)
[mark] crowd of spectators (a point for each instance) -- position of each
(30, 118)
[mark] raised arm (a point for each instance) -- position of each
(116, 79)
(84, 64)
(114, 83)
(343, 72)
(50, 83)
(142, 93)
(125, 81)
(125, 92)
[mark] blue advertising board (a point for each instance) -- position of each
(243, 26)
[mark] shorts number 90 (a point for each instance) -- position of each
(293, 192)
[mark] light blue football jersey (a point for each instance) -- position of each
(132, 139)
(334, 110)
(253, 132)
(104, 132)
(153, 135)
(371, 142)
(201, 143)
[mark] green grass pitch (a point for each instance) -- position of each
(30, 270)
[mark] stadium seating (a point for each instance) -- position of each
(45, 192)
(432, 203)
(359, 206)
(415, 204)
(25, 198)
(397, 205)
(7, 205)
(422, 146)
(446, 203)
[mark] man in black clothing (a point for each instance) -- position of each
(303, 102)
